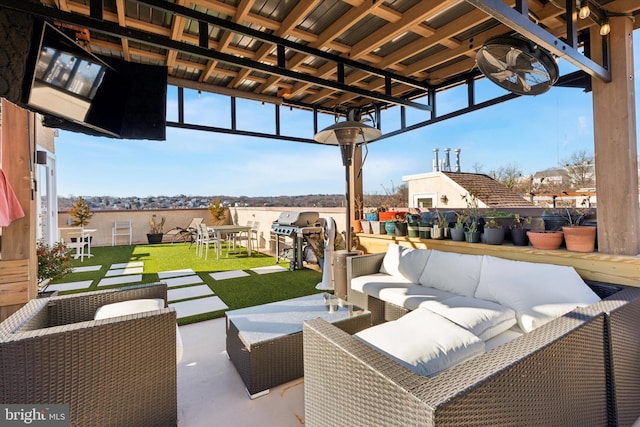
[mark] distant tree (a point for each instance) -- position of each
(581, 169)
(393, 197)
(477, 167)
(507, 175)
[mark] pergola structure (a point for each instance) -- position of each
(336, 56)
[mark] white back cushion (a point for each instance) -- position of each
(537, 292)
(452, 272)
(423, 342)
(404, 262)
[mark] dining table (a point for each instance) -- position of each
(219, 230)
(84, 234)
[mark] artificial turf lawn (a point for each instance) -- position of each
(237, 293)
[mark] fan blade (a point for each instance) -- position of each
(502, 75)
(538, 73)
(493, 60)
(525, 85)
(512, 56)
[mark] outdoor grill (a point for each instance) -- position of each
(298, 226)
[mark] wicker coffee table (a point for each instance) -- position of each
(265, 342)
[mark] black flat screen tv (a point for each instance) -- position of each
(73, 84)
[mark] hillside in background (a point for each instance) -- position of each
(191, 202)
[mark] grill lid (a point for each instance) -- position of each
(299, 219)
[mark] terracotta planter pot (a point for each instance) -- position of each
(545, 239)
(357, 226)
(386, 216)
(580, 238)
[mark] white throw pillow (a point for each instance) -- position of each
(404, 262)
(537, 292)
(452, 272)
(423, 342)
(485, 319)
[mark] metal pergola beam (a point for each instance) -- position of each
(115, 30)
(523, 25)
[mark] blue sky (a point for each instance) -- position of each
(532, 133)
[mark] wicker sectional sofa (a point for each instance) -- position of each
(581, 368)
(118, 371)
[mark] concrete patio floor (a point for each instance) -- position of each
(210, 391)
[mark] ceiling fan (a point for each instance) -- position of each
(517, 65)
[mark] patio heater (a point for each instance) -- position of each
(347, 135)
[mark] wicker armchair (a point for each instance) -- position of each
(115, 371)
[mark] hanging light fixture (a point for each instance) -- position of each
(584, 11)
(605, 28)
(347, 135)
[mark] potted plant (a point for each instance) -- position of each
(155, 233)
(81, 213)
(372, 215)
(377, 224)
(413, 224)
(217, 211)
(457, 232)
(53, 264)
(399, 224)
(439, 223)
(472, 234)
(555, 219)
(493, 232)
(545, 239)
(519, 230)
(473, 211)
(577, 237)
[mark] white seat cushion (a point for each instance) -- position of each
(485, 319)
(137, 306)
(128, 307)
(412, 296)
(452, 272)
(423, 342)
(404, 262)
(372, 283)
(503, 338)
(537, 292)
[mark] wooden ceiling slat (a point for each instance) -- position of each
(339, 27)
(411, 18)
(299, 12)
